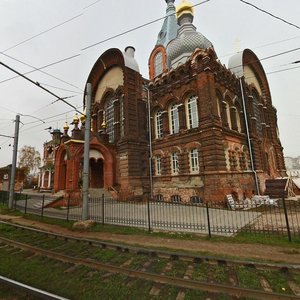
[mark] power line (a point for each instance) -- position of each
(49, 121)
(92, 4)
(62, 89)
(7, 109)
(270, 14)
(43, 32)
(40, 69)
(49, 118)
(135, 28)
(40, 86)
(268, 57)
(283, 70)
(264, 45)
(279, 54)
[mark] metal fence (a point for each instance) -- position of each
(282, 218)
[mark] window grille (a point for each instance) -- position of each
(176, 198)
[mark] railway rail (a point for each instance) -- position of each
(86, 252)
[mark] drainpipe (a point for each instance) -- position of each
(248, 138)
(150, 142)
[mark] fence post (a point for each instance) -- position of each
(286, 220)
(208, 220)
(26, 199)
(149, 217)
(102, 209)
(68, 208)
(15, 197)
(43, 205)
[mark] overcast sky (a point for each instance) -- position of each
(229, 24)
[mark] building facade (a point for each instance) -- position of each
(213, 129)
(5, 176)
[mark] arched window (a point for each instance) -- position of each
(174, 163)
(158, 64)
(159, 198)
(158, 165)
(233, 160)
(192, 112)
(176, 198)
(227, 109)
(194, 161)
(110, 119)
(174, 119)
(158, 124)
(238, 119)
(256, 112)
(196, 200)
(219, 105)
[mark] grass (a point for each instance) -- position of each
(58, 277)
(278, 281)
(201, 272)
(241, 237)
(247, 277)
(178, 269)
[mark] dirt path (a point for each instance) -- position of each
(242, 251)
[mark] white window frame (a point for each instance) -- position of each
(192, 112)
(158, 64)
(158, 124)
(158, 165)
(110, 119)
(174, 118)
(194, 161)
(174, 163)
(228, 115)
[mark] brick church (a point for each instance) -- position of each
(213, 129)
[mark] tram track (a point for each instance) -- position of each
(160, 253)
(82, 252)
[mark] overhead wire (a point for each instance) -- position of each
(92, 4)
(262, 46)
(43, 32)
(128, 32)
(39, 85)
(40, 69)
(135, 28)
(269, 57)
(270, 14)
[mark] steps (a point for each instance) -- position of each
(97, 193)
(39, 204)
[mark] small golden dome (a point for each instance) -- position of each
(66, 126)
(83, 115)
(185, 7)
(76, 119)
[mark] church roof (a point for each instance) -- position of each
(187, 40)
(168, 31)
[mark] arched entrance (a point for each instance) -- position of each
(96, 173)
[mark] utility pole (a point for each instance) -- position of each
(14, 164)
(86, 155)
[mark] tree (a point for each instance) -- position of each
(30, 159)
